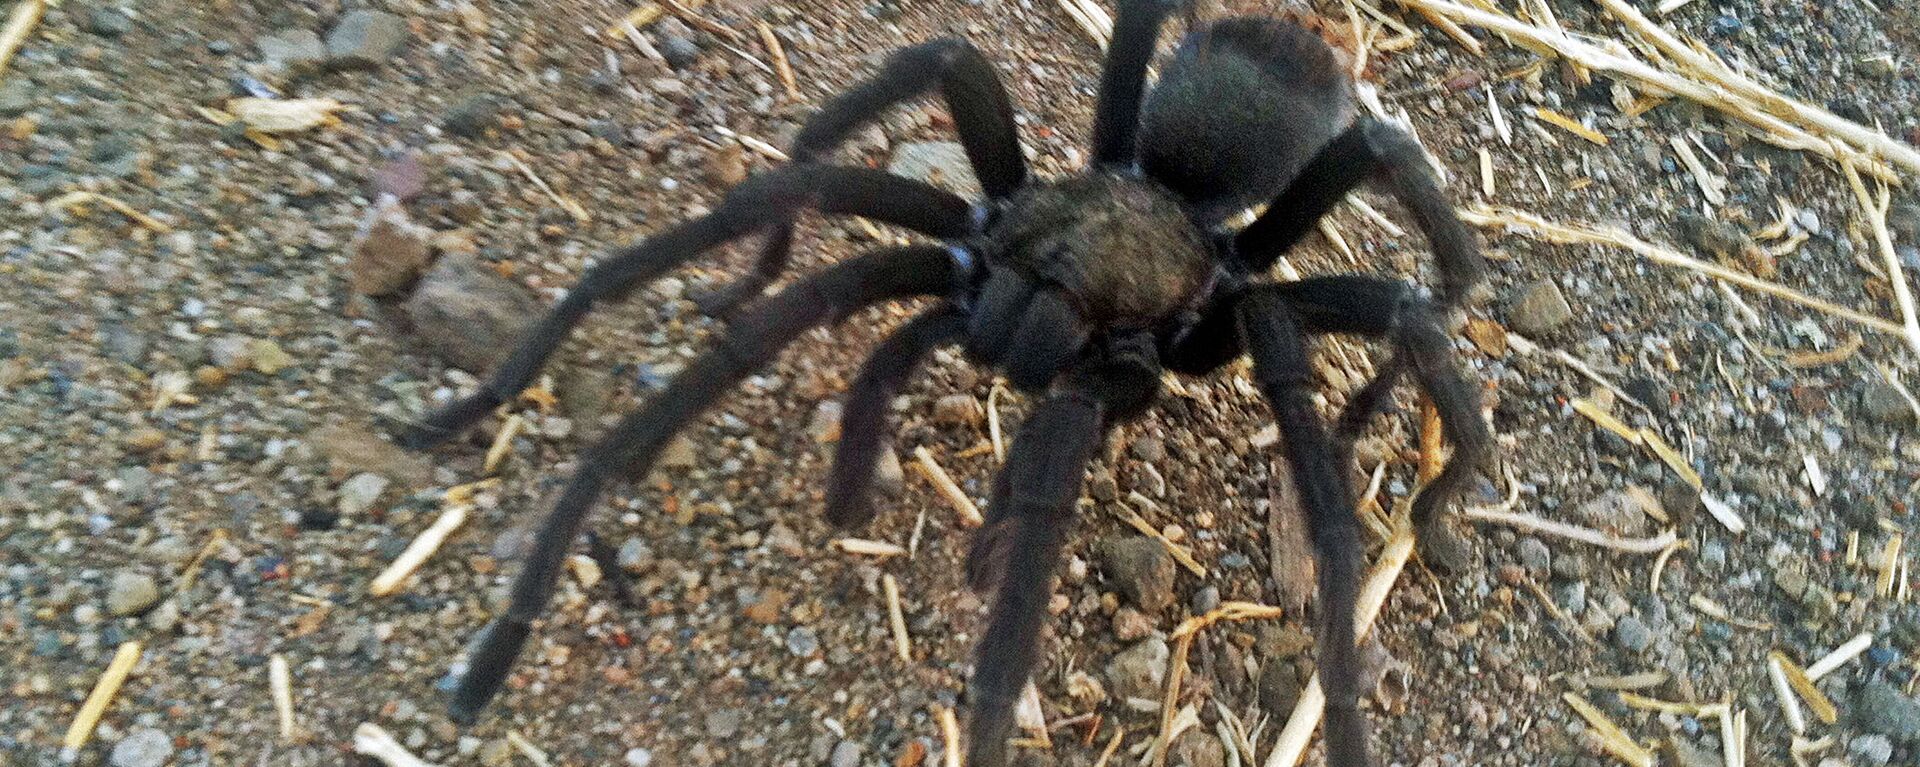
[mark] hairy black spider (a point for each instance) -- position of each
(1081, 289)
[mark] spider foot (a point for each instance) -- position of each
(1443, 549)
(447, 422)
(487, 665)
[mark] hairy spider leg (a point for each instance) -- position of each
(982, 116)
(1028, 516)
(864, 427)
(1369, 148)
(1276, 341)
(1116, 117)
(765, 198)
(630, 447)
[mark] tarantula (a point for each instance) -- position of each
(1079, 290)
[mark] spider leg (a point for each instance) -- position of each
(864, 430)
(982, 116)
(1423, 350)
(1369, 148)
(1116, 118)
(1276, 341)
(1033, 500)
(632, 445)
(768, 197)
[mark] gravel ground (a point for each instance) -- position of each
(245, 515)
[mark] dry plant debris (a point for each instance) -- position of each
(26, 15)
(124, 659)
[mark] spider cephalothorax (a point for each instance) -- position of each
(1081, 290)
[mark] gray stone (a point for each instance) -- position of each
(1880, 707)
(825, 425)
(940, 163)
(802, 642)
(1138, 670)
(957, 410)
(723, 723)
(1141, 569)
(1632, 635)
(131, 593)
(888, 474)
(365, 39)
(359, 493)
(471, 115)
(1535, 556)
(639, 757)
(16, 97)
(1538, 308)
(293, 50)
(1883, 403)
(468, 314)
(144, 747)
(634, 555)
(108, 22)
(847, 754)
(1871, 750)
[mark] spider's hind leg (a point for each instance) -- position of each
(864, 430)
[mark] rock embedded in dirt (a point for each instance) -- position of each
(471, 114)
(1138, 670)
(1871, 750)
(365, 39)
(1130, 624)
(16, 97)
(1141, 569)
(888, 474)
(1880, 707)
(131, 593)
(293, 51)
(1884, 404)
(1632, 635)
(360, 492)
(352, 449)
(1539, 308)
(679, 51)
(940, 163)
(957, 410)
(144, 747)
(389, 253)
(469, 315)
(109, 23)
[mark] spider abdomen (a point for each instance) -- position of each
(1122, 249)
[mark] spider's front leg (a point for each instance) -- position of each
(1032, 505)
(982, 116)
(766, 198)
(1276, 340)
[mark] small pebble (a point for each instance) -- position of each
(144, 747)
(130, 593)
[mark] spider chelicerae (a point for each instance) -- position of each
(1081, 291)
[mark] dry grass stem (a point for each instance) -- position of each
(949, 734)
(1789, 705)
(1227, 612)
(1677, 708)
(1699, 63)
(1373, 214)
(1822, 706)
(1816, 479)
(389, 581)
(26, 16)
(895, 616)
(1486, 173)
(1605, 420)
(1845, 351)
(1669, 6)
(104, 690)
(1612, 738)
(957, 498)
(1169, 703)
(993, 422)
(502, 444)
(1877, 221)
(567, 204)
(1640, 681)
(1839, 657)
(1710, 185)
(1660, 564)
(370, 739)
(191, 572)
(78, 199)
(689, 13)
(280, 685)
(1889, 565)
(765, 149)
(1433, 458)
(1106, 754)
(1137, 522)
(1292, 744)
(1524, 223)
(868, 548)
(528, 749)
(1091, 19)
(1712, 609)
(1332, 233)
(781, 67)
(1560, 615)
(1571, 125)
(640, 42)
(1525, 345)
(1585, 535)
(1556, 43)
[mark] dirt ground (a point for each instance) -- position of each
(193, 407)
